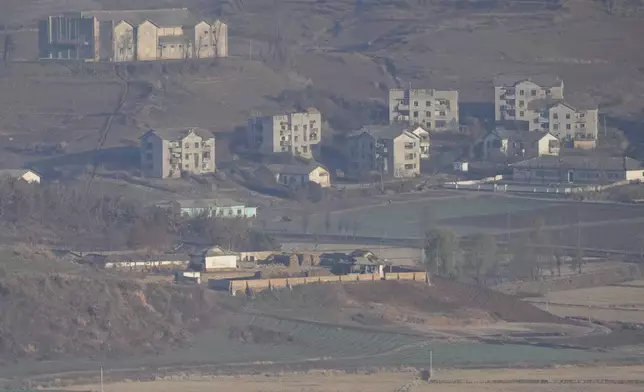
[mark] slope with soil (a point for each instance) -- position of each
(45, 317)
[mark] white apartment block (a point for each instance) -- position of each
(295, 133)
(513, 97)
(168, 153)
(570, 123)
(392, 150)
(433, 109)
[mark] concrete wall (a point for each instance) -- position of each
(256, 285)
(220, 262)
(143, 265)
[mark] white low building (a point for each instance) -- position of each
(299, 175)
(23, 174)
(215, 258)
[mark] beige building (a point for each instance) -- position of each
(168, 153)
(133, 35)
(578, 124)
(512, 96)
(433, 109)
(577, 169)
(295, 133)
(389, 150)
(27, 175)
(504, 145)
(299, 175)
(425, 141)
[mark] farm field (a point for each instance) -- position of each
(448, 380)
(619, 303)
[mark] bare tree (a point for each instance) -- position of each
(306, 220)
(355, 226)
(327, 222)
(481, 255)
(443, 253)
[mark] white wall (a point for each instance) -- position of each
(220, 262)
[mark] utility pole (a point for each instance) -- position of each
(250, 49)
(431, 365)
(605, 129)
(102, 379)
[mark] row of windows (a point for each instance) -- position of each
(442, 113)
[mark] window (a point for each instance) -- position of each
(409, 156)
(410, 145)
(555, 127)
(410, 166)
(187, 145)
(441, 124)
(568, 126)
(567, 116)
(149, 156)
(441, 113)
(304, 127)
(305, 149)
(582, 115)
(415, 103)
(533, 93)
(521, 113)
(521, 104)
(149, 146)
(187, 156)
(186, 166)
(313, 136)
(428, 103)
(521, 92)
(206, 155)
(295, 127)
(536, 121)
(196, 145)
(548, 91)
(283, 127)
(428, 114)
(555, 116)
(416, 114)
(582, 125)
(296, 138)
(239, 212)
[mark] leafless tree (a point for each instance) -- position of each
(327, 222)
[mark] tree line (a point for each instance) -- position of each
(65, 215)
(528, 256)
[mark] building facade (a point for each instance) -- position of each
(27, 175)
(425, 141)
(432, 109)
(387, 150)
(133, 35)
(504, 145)
(576, 125)
(577, 169)
(513, 96)
(299, 175)
(169, 153)
(211, 208)
(295, 133)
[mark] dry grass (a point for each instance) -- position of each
(607, 296)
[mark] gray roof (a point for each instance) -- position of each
(390, 131)
(179, 133)
(580, 102)
(541, 80)
(542, 104)
(15, 172)
(160, 17)
(292, 169)
(518, 135)
(206, 203)
(580, 163)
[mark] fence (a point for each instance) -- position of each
(522, 188)
(256, 285)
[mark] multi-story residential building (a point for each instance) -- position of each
(513, 96)
(133, 35)
(433, 109)
(168, 153)
(391, 149)
(503, 144)
(425, 141)
(577, 123)
(294, 133)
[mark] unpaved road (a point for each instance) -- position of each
(565, 379)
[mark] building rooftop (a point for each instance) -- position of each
(541, 80)
(518, 135)
(206, 203)
(218, 251)
(292, 169)
(580, 162)
(390, 131)
(160, 17)
(15, 172)
(179, 133)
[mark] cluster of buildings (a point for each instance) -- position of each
(133, 35)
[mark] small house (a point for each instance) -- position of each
(516, 144)
(211, 208)
(214, 258)
(299, 175)
(27, 175)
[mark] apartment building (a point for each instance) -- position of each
(392, 150)
(433, 109)
(578, 123)
(295, 133)
(133, 35)
(169, 153)
(513, 97)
